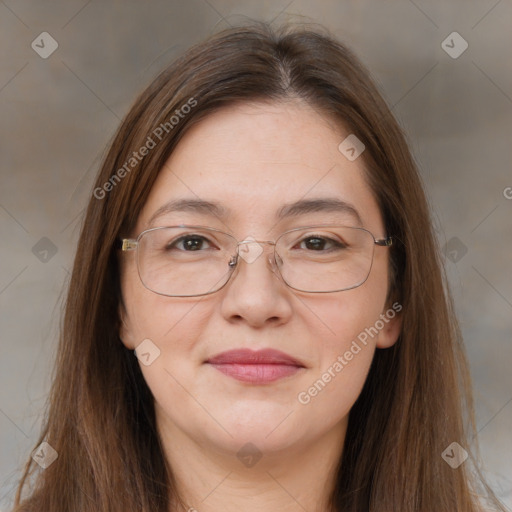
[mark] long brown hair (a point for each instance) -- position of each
(417, 397)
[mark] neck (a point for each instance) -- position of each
(297, 478)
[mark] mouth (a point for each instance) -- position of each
(256, 367)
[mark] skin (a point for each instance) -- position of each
(253, 159)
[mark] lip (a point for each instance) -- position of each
(257, 367)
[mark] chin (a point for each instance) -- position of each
(249, 440)
(266, 425)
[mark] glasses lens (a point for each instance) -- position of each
(190, 261)
(185, 261)
(326, 258)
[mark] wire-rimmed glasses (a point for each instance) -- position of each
(190, 260)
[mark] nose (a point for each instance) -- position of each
(254, 294)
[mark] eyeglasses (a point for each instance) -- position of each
(188, 261)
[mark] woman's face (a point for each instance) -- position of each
(252, 160)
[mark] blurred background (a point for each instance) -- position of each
(71, 69)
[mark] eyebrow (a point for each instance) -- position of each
(295, 209)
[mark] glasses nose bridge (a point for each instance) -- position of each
(270, 243)
(250, 241)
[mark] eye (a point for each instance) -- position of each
(188, 243)
(321, 244)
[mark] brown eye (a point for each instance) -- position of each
(189, 243)
(318, 243)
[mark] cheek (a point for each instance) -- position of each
(346, 346)
(349, 318)
(345, 358)
(174, 328)
(332, 393)
(352, 337)
(159, 318)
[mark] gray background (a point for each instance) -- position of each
(58, 114)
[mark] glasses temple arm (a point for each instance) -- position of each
(126, 244)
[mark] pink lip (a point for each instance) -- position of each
(257, 367)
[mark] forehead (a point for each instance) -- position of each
(256, 159)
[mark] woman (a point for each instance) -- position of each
(257, 316)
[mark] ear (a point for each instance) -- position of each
(392, 320)
(124, 327)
